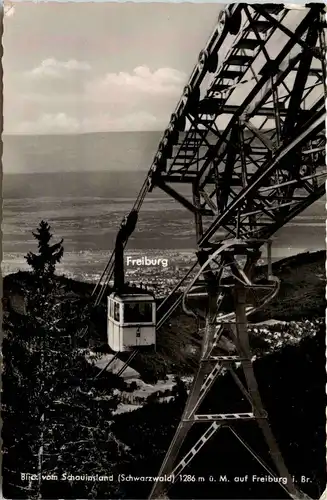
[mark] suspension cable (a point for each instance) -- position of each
(108, 270)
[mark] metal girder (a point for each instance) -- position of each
(271, 71)
(258, 179)
(229, 109)
(296, 209)
(227, 175)
(263, 12)
(189, 107)
(284, 95)
(294, 107)
(181, 199)
(256, 90)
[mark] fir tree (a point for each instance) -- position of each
(44, 263)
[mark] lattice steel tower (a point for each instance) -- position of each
(248, 139)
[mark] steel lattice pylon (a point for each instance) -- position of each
(214, 360)
(248, 139)
(246, 143)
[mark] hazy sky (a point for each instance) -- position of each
(99, 66)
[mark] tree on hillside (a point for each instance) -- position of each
(44, 263)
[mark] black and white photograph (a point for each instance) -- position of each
(163, 250)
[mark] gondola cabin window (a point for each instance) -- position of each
(138, 312)
(116, 311)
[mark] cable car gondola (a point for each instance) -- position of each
(131, 317)
(131, 321)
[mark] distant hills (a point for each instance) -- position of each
(109, 151)
(100, 151)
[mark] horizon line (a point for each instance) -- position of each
(77, 171)
(84, 133)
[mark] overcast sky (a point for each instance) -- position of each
(90, 67)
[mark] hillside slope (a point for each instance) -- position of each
(301, 296)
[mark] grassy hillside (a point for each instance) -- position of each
(302, 291)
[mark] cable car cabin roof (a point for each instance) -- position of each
(130, 297)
